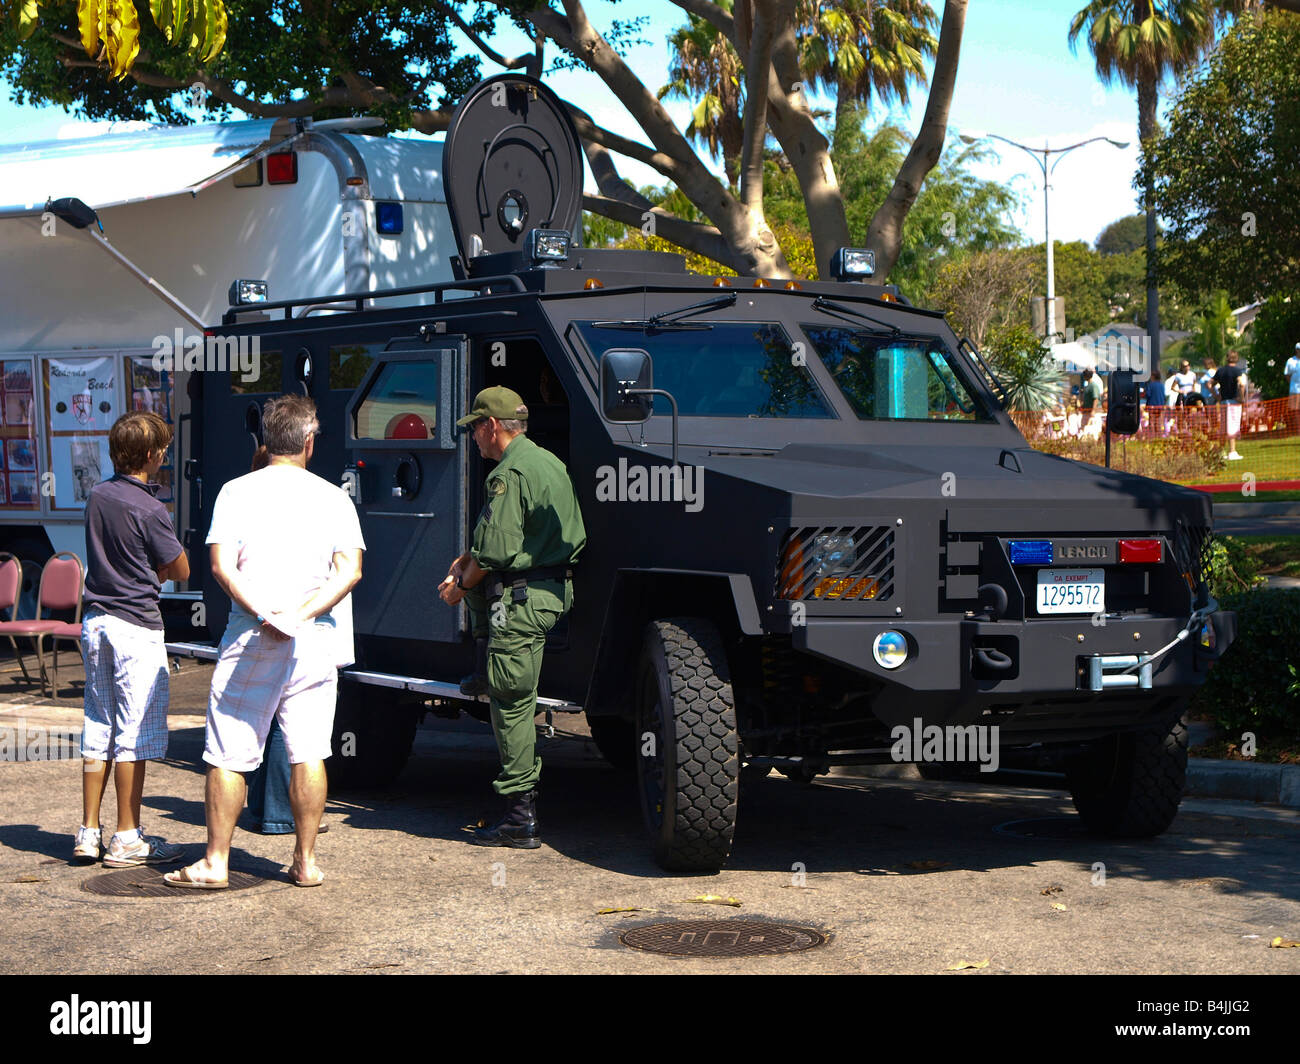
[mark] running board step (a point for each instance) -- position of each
(416, 684)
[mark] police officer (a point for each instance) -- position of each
(516, 581)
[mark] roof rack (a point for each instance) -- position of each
(357, 300)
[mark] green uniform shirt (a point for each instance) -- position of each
(531, 518)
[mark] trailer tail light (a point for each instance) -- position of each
(1137, 551)
(282, 168)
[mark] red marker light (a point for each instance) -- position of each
(1137, 551)
(282, 168)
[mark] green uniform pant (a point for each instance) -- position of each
(516, 634)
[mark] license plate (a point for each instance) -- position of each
(1071, 590)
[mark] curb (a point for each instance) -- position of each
(1256, 509)
(1206, 778)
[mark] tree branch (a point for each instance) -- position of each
(478, 42)
(588, 130)
(719, 19)
(885, 234)
(757, 71)
(694, 236)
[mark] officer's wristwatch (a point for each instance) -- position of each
(459, 584)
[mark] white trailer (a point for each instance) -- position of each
(308, 208)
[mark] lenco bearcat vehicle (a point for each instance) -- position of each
(812, 527)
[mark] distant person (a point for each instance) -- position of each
(1090, 392)
(1184, 383)
(286, 546)
(1230, 380)
(1292, 374)
(1155, 402)
(1206, 382)
(131, 548)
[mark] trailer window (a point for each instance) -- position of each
(730, 369)
(888, 378)
(402, 403)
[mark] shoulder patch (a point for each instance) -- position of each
(497, 486)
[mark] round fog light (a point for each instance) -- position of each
(889, 649)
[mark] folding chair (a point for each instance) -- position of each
(61, 589)
(11, 583)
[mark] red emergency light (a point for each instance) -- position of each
(1147, 551)
(282, 168)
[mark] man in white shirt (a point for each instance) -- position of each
(1183, 383)
(286, 546)
(1292, 374)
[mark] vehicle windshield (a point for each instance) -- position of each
(731, 369)
(895, 378)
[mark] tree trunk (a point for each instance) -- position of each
(1147, 100)
(885, 234)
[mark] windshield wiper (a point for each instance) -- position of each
(839, 310)
(673, 318)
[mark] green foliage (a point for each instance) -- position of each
(1252, 686)
(275, 51)
(1276, 332)
(1214, 333)
(1032, 380)
(1226, 174)
(1233, 568)
(1187, 459)
(1123, 236)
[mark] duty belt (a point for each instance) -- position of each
(518, 580)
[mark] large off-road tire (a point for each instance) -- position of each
(1129, 786)
(688, 766)
(373, 733)
(615, 738)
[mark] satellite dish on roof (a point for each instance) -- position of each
(511, 163)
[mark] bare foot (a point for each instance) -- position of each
(200, 876)
(309, 875)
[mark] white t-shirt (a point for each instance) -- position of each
(288, 524)
(1292, 372)
(1184, 382)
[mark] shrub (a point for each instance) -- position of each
(1233, 569)
(1189, 458)
(1252, 687)
(1276, 331)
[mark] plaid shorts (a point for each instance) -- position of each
(126, 690)
(258, 678)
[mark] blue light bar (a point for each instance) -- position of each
(388, 218)
(1030, 551)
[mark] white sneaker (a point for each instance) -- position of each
(146, 850)
(88, 845)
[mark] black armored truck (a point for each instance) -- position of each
(815, 535)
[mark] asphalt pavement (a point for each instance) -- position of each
(902, 876)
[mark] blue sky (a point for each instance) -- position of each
(1017, 78)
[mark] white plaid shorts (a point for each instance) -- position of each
(258, 678)
(126, 690)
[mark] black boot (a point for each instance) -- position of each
(476, 683)
(517, 828)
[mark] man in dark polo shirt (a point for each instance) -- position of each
(131, 548)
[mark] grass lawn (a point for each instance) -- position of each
(1276, 555)
(1268, 459)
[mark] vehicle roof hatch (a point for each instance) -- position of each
(511, 163)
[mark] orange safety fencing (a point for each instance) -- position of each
(1184, 444)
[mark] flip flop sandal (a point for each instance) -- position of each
(183, 879)
(320, 878)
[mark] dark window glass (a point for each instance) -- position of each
(726, 370)
(264, 378)
(349, 364)
(402, 404)
(889, 378)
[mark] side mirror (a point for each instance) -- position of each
(621, 370)
(1124, 417)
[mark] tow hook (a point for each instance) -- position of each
(1115, 670)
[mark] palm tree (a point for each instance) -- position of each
(1139, 42)
(704, 68)
(860, 48)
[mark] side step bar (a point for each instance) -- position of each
(416, 684)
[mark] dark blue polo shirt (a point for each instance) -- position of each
(128, 536)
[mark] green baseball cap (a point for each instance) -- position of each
(500, 403)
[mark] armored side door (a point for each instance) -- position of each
(406, 475)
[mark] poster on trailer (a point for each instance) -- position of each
(81, 394)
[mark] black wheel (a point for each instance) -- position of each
(689, 762)
(615, 738)
(373, 733)
(1129, 785)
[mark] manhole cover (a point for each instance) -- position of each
(721, 938)
(1047, 827)
(146, 882)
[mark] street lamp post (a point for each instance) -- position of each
(1045, 152)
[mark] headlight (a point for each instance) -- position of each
(833, 554)
(889, 649)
